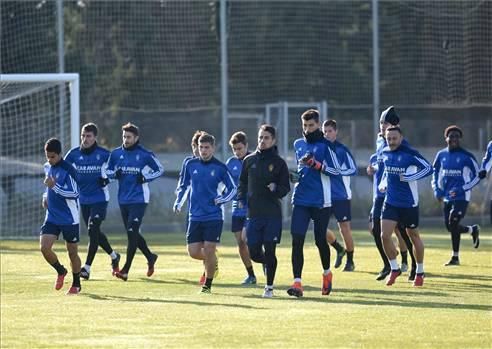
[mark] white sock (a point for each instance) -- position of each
(456, 254)
(420, 268)
(297, 280)
(87, 267)
(113, 255)
(326, 271)
(470, 229)
(269, 287)
(394, 264)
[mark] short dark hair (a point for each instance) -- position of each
(238, 137)
(330, 123)
(453, 128)
(53, 145)
(129, 127)
(270, 129)
(310, 114)
(394, 128)
(207, 138)
(90, 127)
(196, 136)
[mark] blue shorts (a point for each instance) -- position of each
(204, 231)
(458, 208)
(406, 216)
(377, 206)
(70, 232)
(261, 230)
(96, 210)
(342, 210)
(302, 215)
(238, 223)
(131, 213)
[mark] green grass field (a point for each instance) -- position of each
(452, 310)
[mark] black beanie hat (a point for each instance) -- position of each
(389, 115)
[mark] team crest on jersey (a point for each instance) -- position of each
(458, 159)
(138, 157)
(212, 173)
(98, 157)
(399, 158)
(57, 175)
(270, 168)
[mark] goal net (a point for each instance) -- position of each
(33, 108)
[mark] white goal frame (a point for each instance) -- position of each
(72, 79)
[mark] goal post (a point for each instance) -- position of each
(33, 108)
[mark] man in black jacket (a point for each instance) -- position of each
(264, 181)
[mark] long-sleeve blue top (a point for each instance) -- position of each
(62, 199)
(130, 164)
(402, 168)
(340, 184)
(487, 159)
(455, 171)
(206, 182)
(90, 165)
(235, 165)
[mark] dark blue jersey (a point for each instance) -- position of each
(402, 168)
(487, 159)
(206, 181)
(90, 165)
(134, 167)
(235, 165)
(455, 171)
(62, 199)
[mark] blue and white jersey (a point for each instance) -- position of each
(235, 165)
(181, 172)
(90, 165)
(314, 187)
(454, 171)
(487, 159)
(340, 184)
(62, 199)
(206, 181)
(132, 163)
(402, 168)
(378, 166)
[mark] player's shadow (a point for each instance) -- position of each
(164, 301)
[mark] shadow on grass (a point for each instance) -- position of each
(154, 300)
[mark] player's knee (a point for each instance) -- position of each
(298, 241)
(256, 253)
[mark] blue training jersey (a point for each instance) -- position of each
(340, 184)
(378, 166)
(486, 161)
(235, 165)
(131, 164)
(402, 168)
(314, 188)
(454, 171)
(90, 165)
(206, 181)
(62, 199)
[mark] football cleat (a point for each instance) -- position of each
(60, 279)
(340, 255)
(151, 264)
(296, 290)
(327, 284)
(123, 275)
(84, 274)
(205, 290)
(349, 266)
(267, 292)
(475, 235)
(115, 263)
(383, 274)
(249, 280)
(392, 277)
(419, 280)
(74, 290)
(454, 261)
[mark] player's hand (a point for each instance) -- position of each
(454, 192)
(310, 161)
(382, 189)
(103, 181)
(272, 186)
(401, 177)
(141, 178)
(370, 170)
(45, 203)
(118, 173)
(49, 182)
(176, 209)
(306, 159)
(482, 174)
(294, 176)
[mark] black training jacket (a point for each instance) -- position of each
(259, 169)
